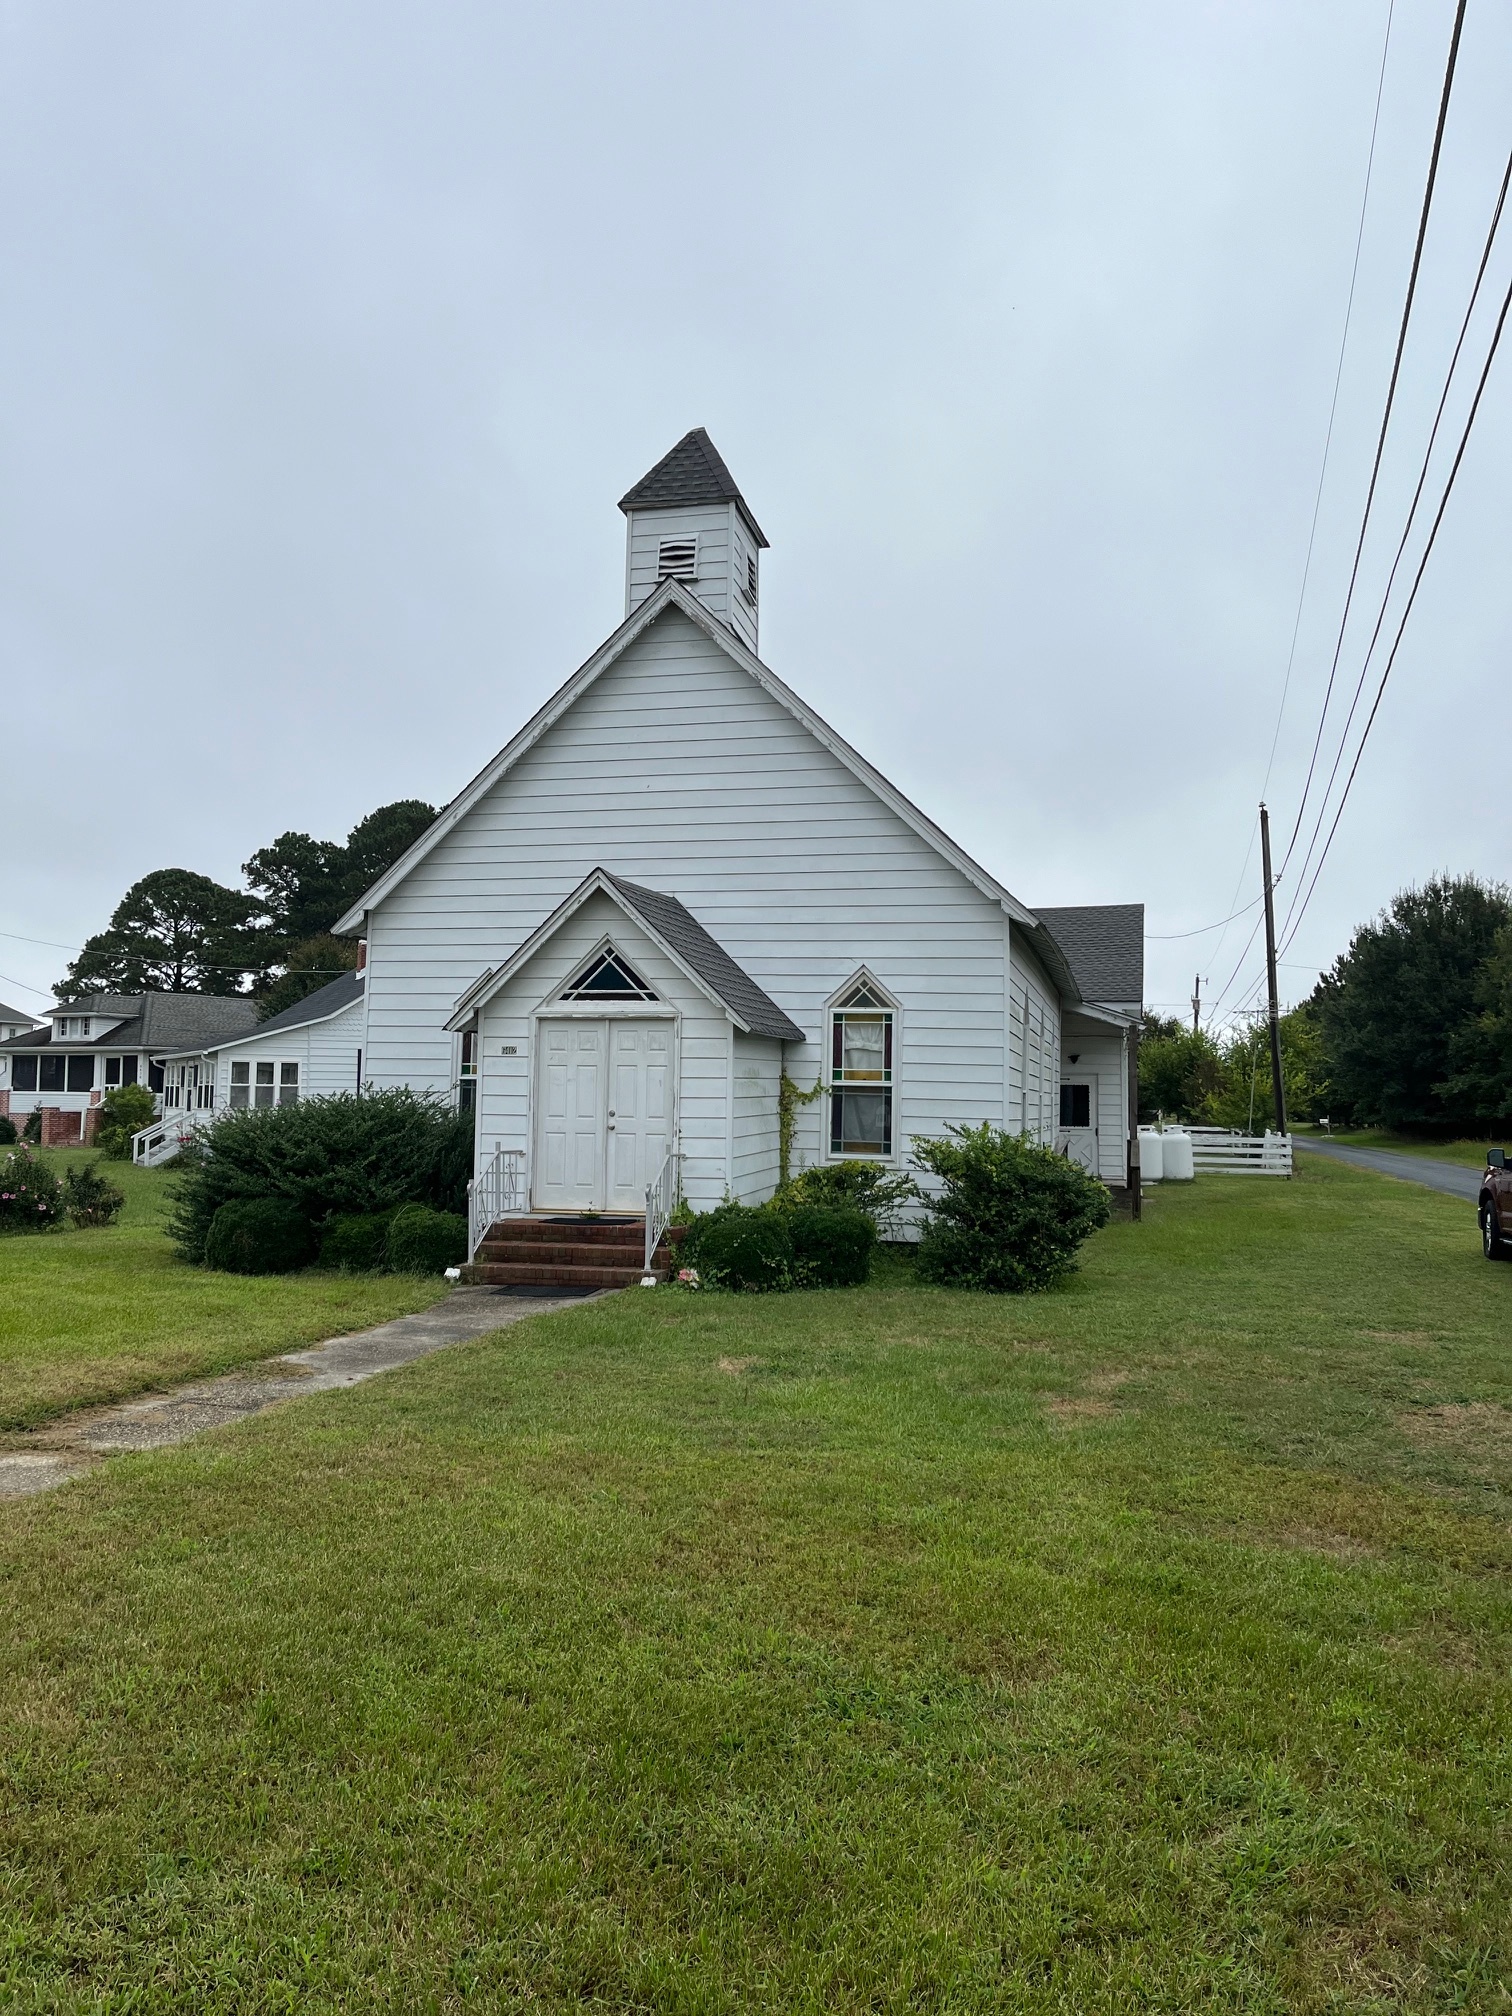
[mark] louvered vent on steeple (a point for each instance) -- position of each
(677, 560)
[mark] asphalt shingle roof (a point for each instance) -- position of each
(158, 1023)
(680, 929)
(327, 1000)
(1104, 947)
(693, 472)
(14, 1014)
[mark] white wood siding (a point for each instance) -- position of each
(702, 1046)
(326, 1053)
(758, 1080)
(1034, 1047)
(720, 537)
(677, 770)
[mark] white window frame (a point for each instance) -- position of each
(835, 1009)
(284, 1089)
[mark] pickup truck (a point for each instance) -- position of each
(1495, 1207)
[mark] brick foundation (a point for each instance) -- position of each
(5, 1104)
(60, 1129)
(92, 1118)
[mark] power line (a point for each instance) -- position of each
(1354, 572)
(1501, 322)
(1354, 274)
(1202, 928)
(1496, 217)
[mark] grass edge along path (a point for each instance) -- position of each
(1118, 1648)
(101, 1315)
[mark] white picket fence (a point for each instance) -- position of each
(1227, 1152)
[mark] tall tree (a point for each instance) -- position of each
(1480, 1051)
(300, 881)
(1394, 1005)
(305, 884)
(173, 932)
(308, 966)
(375, 844)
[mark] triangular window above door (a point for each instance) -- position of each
(607, 977)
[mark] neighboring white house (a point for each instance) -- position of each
(83, 1048)
(15, 1022)
(677, 883)
(303, 1052)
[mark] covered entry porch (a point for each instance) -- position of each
(617, 1061)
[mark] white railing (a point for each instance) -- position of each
(495, 1192)
(662, 1193)
(1225, 1151)
(165, 1138)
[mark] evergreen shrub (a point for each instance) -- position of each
(832, 1245)
(740, 1247)
(1009, 1216)
(90, 1198)
(421, 1241)
(31, 1197)
(356, 1242)
(8, 1135)
(347, 1154)
(124, 1111)
(258, 1235)
(871, 1188)
(32, 1127)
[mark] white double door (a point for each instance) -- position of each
(603, 1097)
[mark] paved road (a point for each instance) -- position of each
(52, 1455)
(1455, 1179)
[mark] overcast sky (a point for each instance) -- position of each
(331, 334)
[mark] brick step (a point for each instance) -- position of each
(573, 1253)
(510, 1274)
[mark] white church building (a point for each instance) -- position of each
(677, 885)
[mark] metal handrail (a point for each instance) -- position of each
(494, 1193)
(662, 1193)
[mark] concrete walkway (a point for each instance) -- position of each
(65, 1449)
(1455, 1179)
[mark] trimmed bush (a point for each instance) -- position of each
(8, 1135)
(32, 1127)
(871, 1188)
(356, 1242)
(737, 1247)
(124, 1111)
(90, 1198)
(421, 1241)
(31, 1197)
(1010, 1216)
(350, 1154)
(258, 1235)
(832, 1246)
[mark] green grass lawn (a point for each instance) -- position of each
(90, 1316)
(1142, 1646)
(1472, 1153)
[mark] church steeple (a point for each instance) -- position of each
(687, 519)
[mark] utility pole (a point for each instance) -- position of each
(1277, 1084)
(1196, 1001)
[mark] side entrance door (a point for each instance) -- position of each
(603, 1093)
(1078, 1121)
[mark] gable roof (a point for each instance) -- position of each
(669, 595)
(317, 1007)
(679, 934)
(159, 1023)
(693, 472)
(1104, 944)
(16, 1015)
